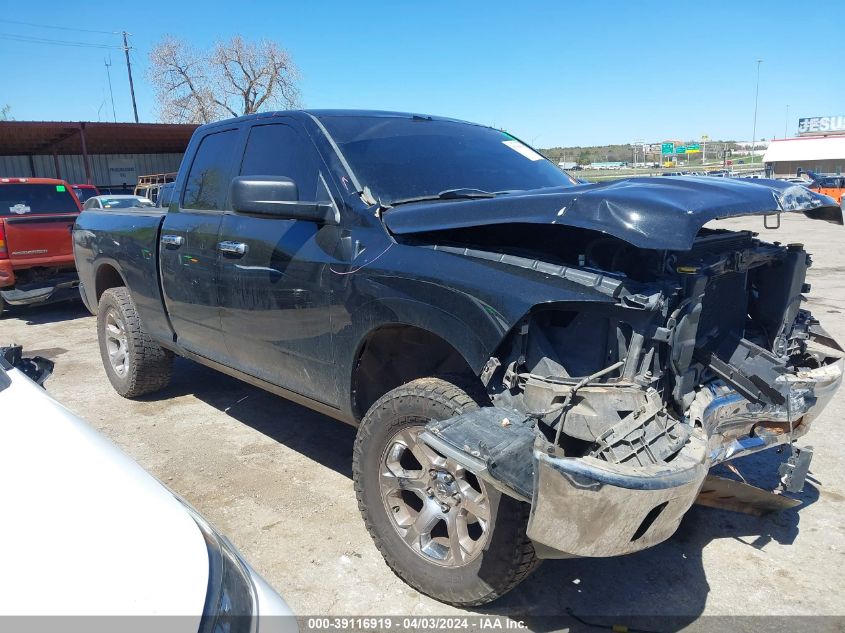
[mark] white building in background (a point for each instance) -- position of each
(821, 154)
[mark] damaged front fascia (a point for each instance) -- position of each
(640, 441)
(598, 505)
(654, 213)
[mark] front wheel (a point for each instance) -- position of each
(442, 530)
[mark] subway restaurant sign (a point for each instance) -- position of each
(821, 125)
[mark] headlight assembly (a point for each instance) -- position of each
(230, 601)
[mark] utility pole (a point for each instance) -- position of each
(107, 64)
(129, 70)
(756, 94)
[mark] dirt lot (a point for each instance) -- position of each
(276, 478)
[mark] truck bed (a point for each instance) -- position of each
(128, 241)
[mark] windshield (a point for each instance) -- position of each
(125, 203)
(23, 199)
(401, 158)
(83, 193)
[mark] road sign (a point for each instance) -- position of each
(667, 148)
(693, 148)
(681, 149)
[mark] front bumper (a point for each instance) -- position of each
(589, 507)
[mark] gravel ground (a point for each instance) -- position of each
(275, 477)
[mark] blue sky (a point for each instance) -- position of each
(552, 73)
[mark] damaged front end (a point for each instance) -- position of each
(607, 418)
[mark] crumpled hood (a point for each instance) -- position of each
(658, 213)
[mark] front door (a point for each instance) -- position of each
(274, 292)
(188, 247)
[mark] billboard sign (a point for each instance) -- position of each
(821, 125)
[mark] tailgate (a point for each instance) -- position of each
(39, 238)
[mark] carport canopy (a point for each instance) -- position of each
(79, 137)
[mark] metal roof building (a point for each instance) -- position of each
(822, 154)
(102, 154)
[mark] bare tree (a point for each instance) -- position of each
(234, 78)
(5, 113)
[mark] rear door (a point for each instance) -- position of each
(274, 273)
(38, 217)
(188, 245)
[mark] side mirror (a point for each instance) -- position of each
(276, 196)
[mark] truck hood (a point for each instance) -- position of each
(658, 213)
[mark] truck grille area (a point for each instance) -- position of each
(724, 312)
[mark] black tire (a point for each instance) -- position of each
(507, 556)
(147, 365)
(2, 306)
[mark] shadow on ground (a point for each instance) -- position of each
(316, 436)
(664, 588)
(49, 313)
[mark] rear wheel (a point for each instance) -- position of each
(440, 529)
(135, 364)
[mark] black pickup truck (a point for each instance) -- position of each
(537, 368)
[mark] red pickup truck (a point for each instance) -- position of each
(36, 256)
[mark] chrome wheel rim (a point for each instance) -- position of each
(438, 508)
(116, 342)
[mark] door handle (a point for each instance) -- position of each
(238, 249)
(172, 241)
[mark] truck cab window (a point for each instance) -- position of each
(278, 150)
(208, 180)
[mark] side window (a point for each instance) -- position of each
(208, 179)
(279, 150)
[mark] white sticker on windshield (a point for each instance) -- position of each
(526, 151)
(20, 209)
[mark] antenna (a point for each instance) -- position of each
(107, 64)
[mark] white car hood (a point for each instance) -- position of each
(84, 529)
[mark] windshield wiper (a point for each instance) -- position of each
(448, 194)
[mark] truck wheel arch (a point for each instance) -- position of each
(107, 276)
(383, 361)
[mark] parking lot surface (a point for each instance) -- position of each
(276, 478)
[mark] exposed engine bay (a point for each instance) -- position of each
(703, 356)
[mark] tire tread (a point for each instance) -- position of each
(150, 366)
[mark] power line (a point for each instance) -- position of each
(60, 28)
(16, 37)
(42, 40)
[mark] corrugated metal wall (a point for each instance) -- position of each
(72, 168)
